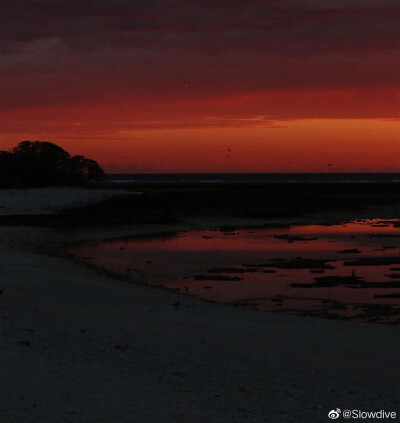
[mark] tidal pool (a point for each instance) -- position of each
(346, 271)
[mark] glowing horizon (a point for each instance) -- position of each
(287, 87)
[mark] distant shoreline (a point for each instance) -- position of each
(295, 177)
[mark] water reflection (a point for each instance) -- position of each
(345, 270)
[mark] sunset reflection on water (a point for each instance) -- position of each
(241, 266)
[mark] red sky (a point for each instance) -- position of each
(168, 86)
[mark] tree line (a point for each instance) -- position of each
(42, 163)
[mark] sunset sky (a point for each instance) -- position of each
(169, 86)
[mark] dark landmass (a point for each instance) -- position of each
(386, 235)
(372, 261)
(330, 309)
(170, 203)
(296, 263)
(232, 270)
(393, 295)
(216, 278)
(347, 281)
(366, 285)
(330, 281)
(292, 238)
(44, 164)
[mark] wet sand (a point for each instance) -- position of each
(78, 346)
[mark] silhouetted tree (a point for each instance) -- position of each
(86, 167)
(41, 163)
(7, 170)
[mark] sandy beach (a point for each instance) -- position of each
(79, 346)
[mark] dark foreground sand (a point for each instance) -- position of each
(79, 347)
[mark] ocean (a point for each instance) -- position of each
(254, 177)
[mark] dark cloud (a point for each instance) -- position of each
(29, 20)
(104, 50)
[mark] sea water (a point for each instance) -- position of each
(348, 270)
